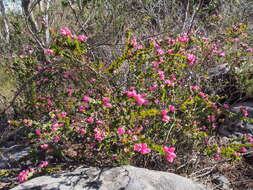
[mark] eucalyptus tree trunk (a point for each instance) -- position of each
(46, 12)
(26, 6)
(6, 35)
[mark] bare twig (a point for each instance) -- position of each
(206, 171)
(194, 15)
(186, 15)
(22, 87)
(77, 18)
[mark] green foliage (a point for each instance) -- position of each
(166, 107)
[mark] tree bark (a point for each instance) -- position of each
(6, 22)
(47, 33)
(29, 14)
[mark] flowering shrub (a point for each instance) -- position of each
(26, 174)
(149, 102)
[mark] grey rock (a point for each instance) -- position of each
(11, 155)
(236, 108)
(249, 127)
(222, 181)
(234, 128)
(218, 70)
(224, 130)
(249, 156)
(117, 178)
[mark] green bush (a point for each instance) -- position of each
(150, 103)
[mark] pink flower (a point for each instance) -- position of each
(249, 50)
(70, 92)
(243, 149)
(134, 138)
(245, 112)
(137, 147)
(97, 129)
(145, 150)
(99, 122)
(139, 47)
(99, 136)
(222, 54)
(121, 131)
(156, 101)
(217, 157)
(195, 87)
(142, 148)
(72, 36)
(161, 75)
(131, 94)
(191, 59)
(138, 97)
(156, 64)
(250, 139)
(202, 94)
(169, 82)
(57, 139)
(23, 176)
(38, 68)
(105, 100)
(237, 153)
(30, 51)
(55, 126)
(65, 32)
(169, 151)
(27, 122)
(82, 38)
(86, 99)
(183, 39)
(226, 106)
(211, 118)
(172, 108)
(166, 118)
(82, 132)
(140, 100)
(173, 77)
(138, 128)
(170, 51)
(153, 87)
(159, 51)
(81, 108)
(90, 120)
(205, 39)
(38, 132)
(43, 164)
(170, 40)
(67, 74)
(48, 51)
(164, 112)
(134, 42)
(44, 146)
(63, 114)
(108, 105)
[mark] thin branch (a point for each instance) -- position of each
(194, 15)
(22, 87)
(77, 18)
(186, 15)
